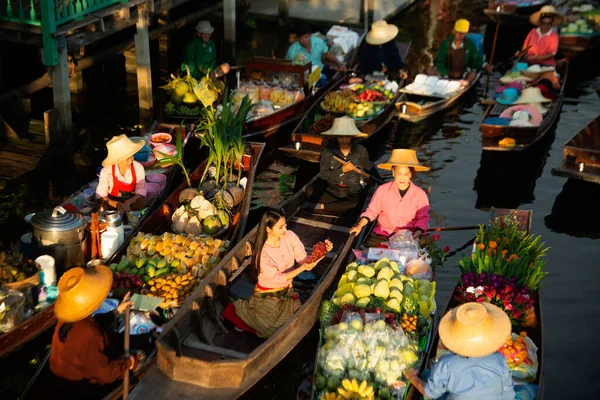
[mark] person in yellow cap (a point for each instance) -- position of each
(339, 186)
(81, 344)
(458, 56)
(474, 332)
(122, 182)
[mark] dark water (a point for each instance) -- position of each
(465, 183)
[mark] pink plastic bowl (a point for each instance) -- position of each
(153, 190)
(160, 179)
(155, 137)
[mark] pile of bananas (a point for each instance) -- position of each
(14, 269)
(355, 391)
(337, 101)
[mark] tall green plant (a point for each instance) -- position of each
(177, 159)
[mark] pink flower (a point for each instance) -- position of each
(446, 249)
(480, 300)
(517, 314)
(508, 306)
(435, 237)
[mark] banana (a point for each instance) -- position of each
(347, 384)
(354, 385)
(362, 388)
(344, 394)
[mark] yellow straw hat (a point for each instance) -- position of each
(403, 158)
(532, 95)
(381, 32)
(475, 329)
(546, 11)
(462, 26)
(81, 292)
(120, 148)
(344, 126)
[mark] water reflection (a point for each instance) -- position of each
(571, 210)
(507, 179)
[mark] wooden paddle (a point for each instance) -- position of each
(126, 346)
(359, 171)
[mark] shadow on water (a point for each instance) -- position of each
(572, 212)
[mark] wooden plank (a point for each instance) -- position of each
(13, 165)
(318, 224)
(240, 269)
(193, 342)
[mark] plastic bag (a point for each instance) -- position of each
(264, 92)
(402, 240)
(418, 269)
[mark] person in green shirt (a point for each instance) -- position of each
(457, 57)
(200, 54)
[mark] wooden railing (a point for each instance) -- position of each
(49, 14)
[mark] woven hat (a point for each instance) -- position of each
(344, 126)
(535, 117)
(403, 158)
(462, 26)
(81, 292)
(475, 329)
(121, 148)
(204, 27)
(532, 95)
(546, 11)
(381, 32)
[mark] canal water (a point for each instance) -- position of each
(465, 183)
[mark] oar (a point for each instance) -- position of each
(126, 345)
(452, 228)
(487, 85)
(359, 171)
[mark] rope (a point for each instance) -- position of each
(461, 248)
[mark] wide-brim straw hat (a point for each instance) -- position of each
(121, 148)
(546, 11)
(81, 292)
(475, 329)
(204, 27)
(381, 32)
(532, 95)
(344, 126)
(403, 158)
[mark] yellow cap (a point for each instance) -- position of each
(462, 26)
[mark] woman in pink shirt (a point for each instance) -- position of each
(276, 251)
(541, 43)
(399, 204)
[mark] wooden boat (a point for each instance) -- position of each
(576, 45)
(160, 221)
(44, 319)
(414, 107)
(536, 334)
(511, 14)
(523, 136)
(198, 360)
(582, 155)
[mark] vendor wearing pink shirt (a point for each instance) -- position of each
(273, 303)
(122, 183)
(399, 204)
(541, 43)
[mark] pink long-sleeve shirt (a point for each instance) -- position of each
(394, 212)
(542, 44)
(276, 261)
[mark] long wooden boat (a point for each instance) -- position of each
(536, 334)
(523, 136)
(574, 45)
(44, 319)
(582, 155)
(415, 107)
(513, 15)
(198, 360)
(160, 221)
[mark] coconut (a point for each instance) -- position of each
(223, 217)
(203, 207)
(194, 227)
(187, 195)
(212, 225)
(209, 188)
(180, 220)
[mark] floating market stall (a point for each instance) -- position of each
(513, 13)
(580, 32)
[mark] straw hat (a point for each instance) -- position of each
(344, 126)
(534, 116)
(204, 27)
(81, 292)
(532, 95)
(381, 32)
(120, 148)
(461, 26)
(403, 158)
(546, 11)
(474, 329)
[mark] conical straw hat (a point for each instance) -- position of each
(121, 148)
(532, 95)
(81, 292)
(344, 126)
(381, 32)
(403, 158)
(475, 329)
(536, 17)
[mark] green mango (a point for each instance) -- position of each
(161, 272)
(122, 265)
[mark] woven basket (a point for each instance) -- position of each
(33, 280)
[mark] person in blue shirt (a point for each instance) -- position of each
(312, 48)
(381, 52)
(474, 332)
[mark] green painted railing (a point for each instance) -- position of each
(49, 14)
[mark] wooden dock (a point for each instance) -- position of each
(21, 155)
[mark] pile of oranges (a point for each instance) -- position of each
(515, 350)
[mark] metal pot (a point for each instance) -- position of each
(59, 233)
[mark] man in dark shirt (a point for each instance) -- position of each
(380, 52)
(339, 185)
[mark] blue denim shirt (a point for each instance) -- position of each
(462, 378)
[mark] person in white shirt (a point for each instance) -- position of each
(122, 183)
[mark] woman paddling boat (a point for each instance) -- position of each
(399, 204)
(541, 43)
(122, 183)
